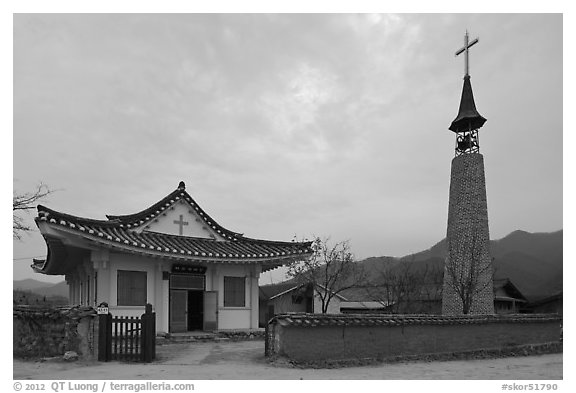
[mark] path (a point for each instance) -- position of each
(245, 360)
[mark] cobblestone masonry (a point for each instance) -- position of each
(324, 337)
(47, 332)
(468, 236)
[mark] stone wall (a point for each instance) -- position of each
(321, 337)
(468, 239)
(48, 332)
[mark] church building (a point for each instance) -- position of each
(197, 274)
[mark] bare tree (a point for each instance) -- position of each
(431, 289)
(24, 203)
(404, 287)
(330, 270)
(470, 279)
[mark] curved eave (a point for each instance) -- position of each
(38, 265)
(467, 122)
(56, 262)
(180, 248)
(44, 211)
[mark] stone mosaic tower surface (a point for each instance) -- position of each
(468, 283)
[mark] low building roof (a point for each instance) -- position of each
(311, 320)
(370, 305)
(556, 296)
(272, 291)
(504, 290)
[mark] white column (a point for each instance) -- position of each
(216, 285)
(101, 264)
(71, 280)
(254, 315)
(81, 278)
(88, 282)
(163, 325)
(160, 301)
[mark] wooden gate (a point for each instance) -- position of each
(127, 338)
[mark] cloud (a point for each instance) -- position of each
(293, 110)
(289, 122)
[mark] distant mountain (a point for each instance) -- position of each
(374, 265)
(532, 261)
(544, 246)
(41, 288)
(60, 289)
(29, 284)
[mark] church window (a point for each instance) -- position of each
(131, 288)
(234, 291)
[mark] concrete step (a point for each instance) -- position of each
(221, 336)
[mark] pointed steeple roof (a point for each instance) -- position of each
(468, 117)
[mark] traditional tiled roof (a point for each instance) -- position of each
(271, 290)
(557, 296)
(504, 289)
(312, 320)
(118, 232)
(367, 305)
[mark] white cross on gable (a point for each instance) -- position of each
(181, 223)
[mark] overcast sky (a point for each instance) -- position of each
(283, 125)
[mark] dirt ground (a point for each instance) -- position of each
(244, 360)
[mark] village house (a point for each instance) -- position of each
(428, 300)
(290, 296)
(507, 297)
(550, 304)
(197, 274)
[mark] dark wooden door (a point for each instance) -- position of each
(178, 310)
(195, 310)
(210, 310)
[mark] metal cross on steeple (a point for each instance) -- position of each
(464, 49)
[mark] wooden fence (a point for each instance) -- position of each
(127, 338)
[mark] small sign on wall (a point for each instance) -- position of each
(188, 269)
(102, 308)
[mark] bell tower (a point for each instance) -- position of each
(468, 282)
